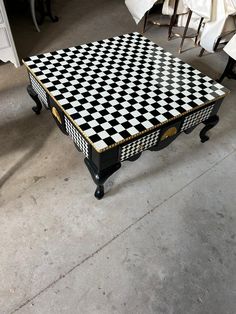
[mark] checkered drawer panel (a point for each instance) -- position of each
(77, 137)
(139, 145)
(39, 90)
(196, 118)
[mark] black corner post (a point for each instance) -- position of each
(209, 124)
(100, 176)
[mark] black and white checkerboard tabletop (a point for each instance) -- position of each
(116, 88)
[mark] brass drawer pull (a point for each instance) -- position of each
(141, 147)
(168, 133)
(56, 114)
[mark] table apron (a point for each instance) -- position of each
(153, 140)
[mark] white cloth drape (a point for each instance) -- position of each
(138, 8)
(168, 7)
(217, 15)
(230, 48)
(220, 21)
(200, 8)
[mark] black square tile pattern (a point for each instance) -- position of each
(115, 88)
(197, 117)
(139, 145)
(77, 137)
(38, 90)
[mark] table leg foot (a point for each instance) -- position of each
(209, 124)
(99, 193)
(37, 109)
(100, 177)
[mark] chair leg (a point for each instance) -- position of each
(217, 44)
(49, 12)
(214, 49)
(145, 22)
(32, 8)
(228, 69)
(198, 30)
(185, 31)
(201, 52)
(173, 19)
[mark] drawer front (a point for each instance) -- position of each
(77, 137)
(196, 118)
(139, 145)
(38, 90)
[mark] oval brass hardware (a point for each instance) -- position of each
(168, 133)
(56, 114)
(140, 147)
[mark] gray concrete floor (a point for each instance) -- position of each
(163, 239)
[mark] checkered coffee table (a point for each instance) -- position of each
(120, 96)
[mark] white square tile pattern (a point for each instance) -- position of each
(39, 90)
(118, 87)
(196, 118)
(77, 137)
(139, 145)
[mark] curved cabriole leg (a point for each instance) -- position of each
(100, 177)
(209, 124)
(34, 96)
